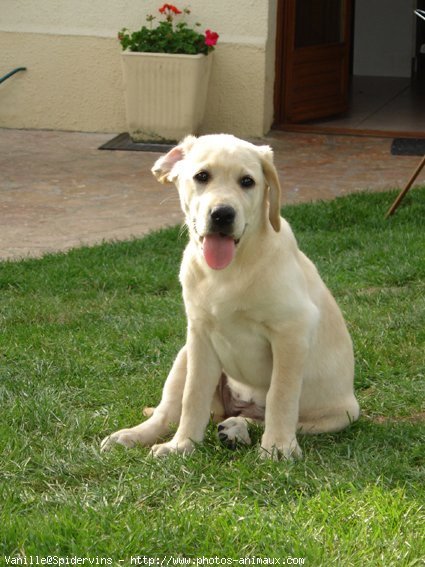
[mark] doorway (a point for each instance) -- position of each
(378, 72)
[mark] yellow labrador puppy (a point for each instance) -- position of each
(265, 338)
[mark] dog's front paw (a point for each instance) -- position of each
(276, 449)
(184, 447)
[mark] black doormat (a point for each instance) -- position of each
(408, 147)
(125, 143)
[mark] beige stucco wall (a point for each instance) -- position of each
(73, 81)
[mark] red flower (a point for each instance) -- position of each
(211, 38)
(169, 8)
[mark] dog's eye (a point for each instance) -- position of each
(202, 177)
(246, 182)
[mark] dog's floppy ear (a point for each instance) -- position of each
(272, 180)
(165, 168)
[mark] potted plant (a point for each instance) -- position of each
(166, 69)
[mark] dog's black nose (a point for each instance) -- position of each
(222, 216)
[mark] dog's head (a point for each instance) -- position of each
(228, 189)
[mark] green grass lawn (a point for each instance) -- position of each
(86, 341)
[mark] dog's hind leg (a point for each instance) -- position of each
(239, 414)
(234, 430)
(330, 420)
(167, 412)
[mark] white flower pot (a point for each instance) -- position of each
(165, 94)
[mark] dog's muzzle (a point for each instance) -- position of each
(219, 243)
(222, 218)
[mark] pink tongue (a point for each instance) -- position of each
(218, 251)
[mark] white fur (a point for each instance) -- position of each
(267, 320)
(234, 430)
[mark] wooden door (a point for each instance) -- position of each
(313, 59)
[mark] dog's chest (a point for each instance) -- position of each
(235, 318)
(243, 349)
